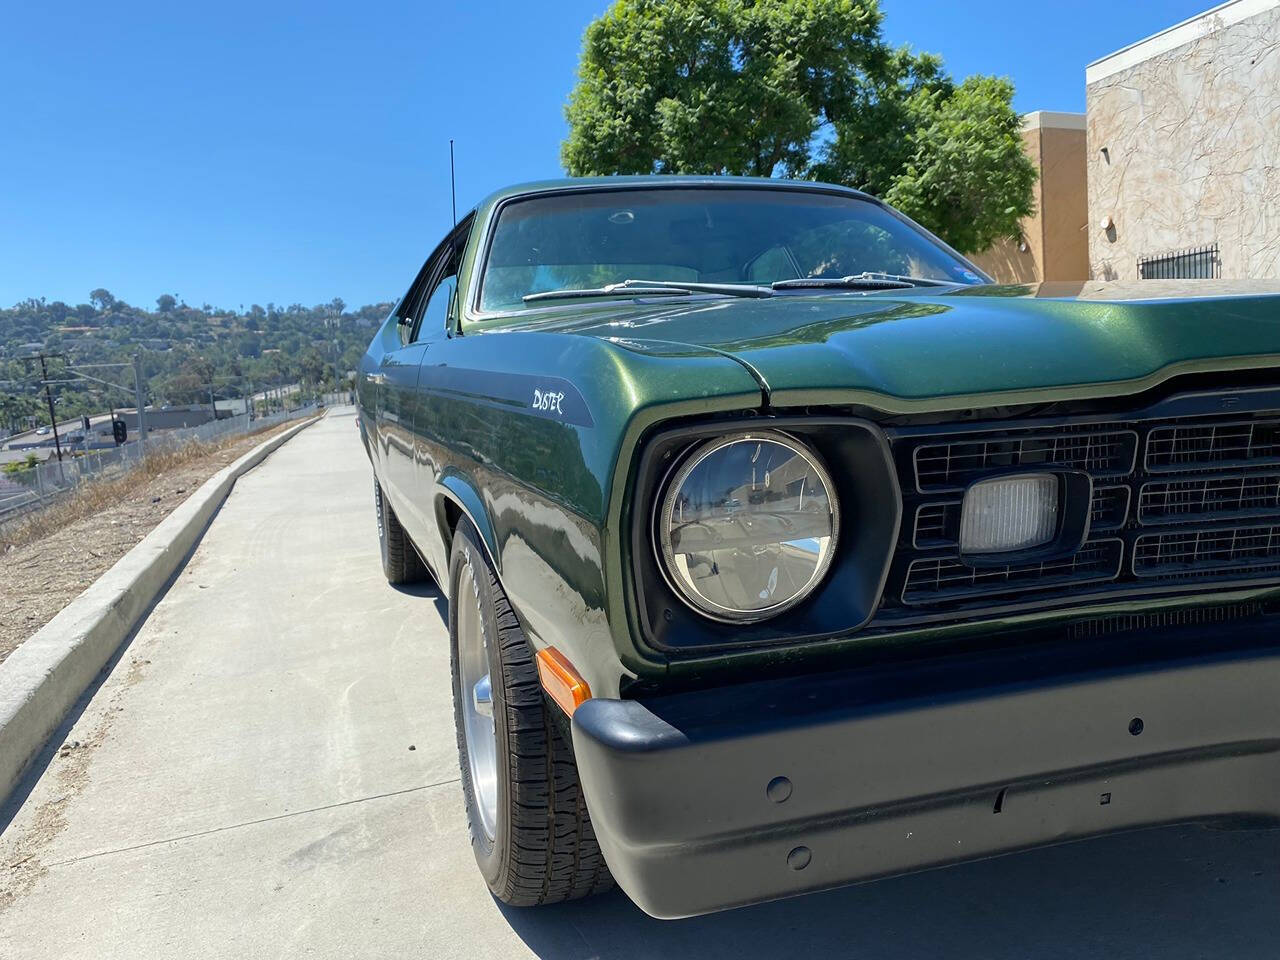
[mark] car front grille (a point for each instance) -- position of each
(1183, 503)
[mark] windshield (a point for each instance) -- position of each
(589, 239)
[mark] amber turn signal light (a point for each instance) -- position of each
(563, 684)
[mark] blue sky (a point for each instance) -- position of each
(237, 153)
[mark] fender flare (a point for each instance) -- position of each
(457, 489)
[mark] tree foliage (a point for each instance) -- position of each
(968, 178)
(800, 88)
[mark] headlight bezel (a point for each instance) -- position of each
(856, 454)
(674, 481)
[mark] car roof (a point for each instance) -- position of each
(661, 180)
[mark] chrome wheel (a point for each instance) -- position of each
(477, 706)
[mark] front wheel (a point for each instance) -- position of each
(530, 830)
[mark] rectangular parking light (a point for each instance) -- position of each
(1009, 513)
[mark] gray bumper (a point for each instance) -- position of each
(886, 772)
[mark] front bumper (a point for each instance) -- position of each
(716, 799)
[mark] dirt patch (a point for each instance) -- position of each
(46, 561)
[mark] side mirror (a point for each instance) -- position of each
(404, 326)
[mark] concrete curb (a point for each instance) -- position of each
(45, 676)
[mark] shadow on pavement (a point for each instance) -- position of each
(429, 590)
(1177, 892)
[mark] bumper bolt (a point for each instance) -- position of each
(1136, 726)
(799, 858)
(779, 789)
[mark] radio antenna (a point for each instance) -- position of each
(453, 185)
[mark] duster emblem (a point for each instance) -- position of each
(549, 401)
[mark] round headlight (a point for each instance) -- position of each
(748, 525)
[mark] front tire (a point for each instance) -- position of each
(400, 561)
(530, 830)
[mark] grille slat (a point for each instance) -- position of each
(1210, 498)
(955, 463)
(1201, 553)
(1109, 509)
(1180, 447)
(934, 579)
(936, 525)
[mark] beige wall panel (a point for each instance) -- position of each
(1184, 150)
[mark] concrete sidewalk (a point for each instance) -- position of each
(245, 787)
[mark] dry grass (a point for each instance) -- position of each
(98, 495)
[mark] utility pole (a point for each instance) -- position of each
(142, 416)
(53, 417)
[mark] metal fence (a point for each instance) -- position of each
(1194, 263)
(27, 489)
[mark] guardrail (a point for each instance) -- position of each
(36, 486)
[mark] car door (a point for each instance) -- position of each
(424, 326)
(396, 373)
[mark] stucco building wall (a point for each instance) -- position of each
(1184, 144)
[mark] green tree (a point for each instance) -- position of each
(714, 86)
(802, 88)
(166, 302)
(968, 178)
(102, 299)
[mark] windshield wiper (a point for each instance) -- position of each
(652, 287)
(860, 281)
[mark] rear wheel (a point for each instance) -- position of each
(400, 560)
(530, 830)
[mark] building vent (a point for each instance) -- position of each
(1194, 263)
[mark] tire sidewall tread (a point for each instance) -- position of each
(544, 850)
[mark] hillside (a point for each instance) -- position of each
(186, 350)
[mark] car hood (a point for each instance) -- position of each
(914, 350)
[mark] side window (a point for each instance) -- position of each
(436, 313)
(436, 291)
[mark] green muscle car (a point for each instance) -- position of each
(784, 550)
